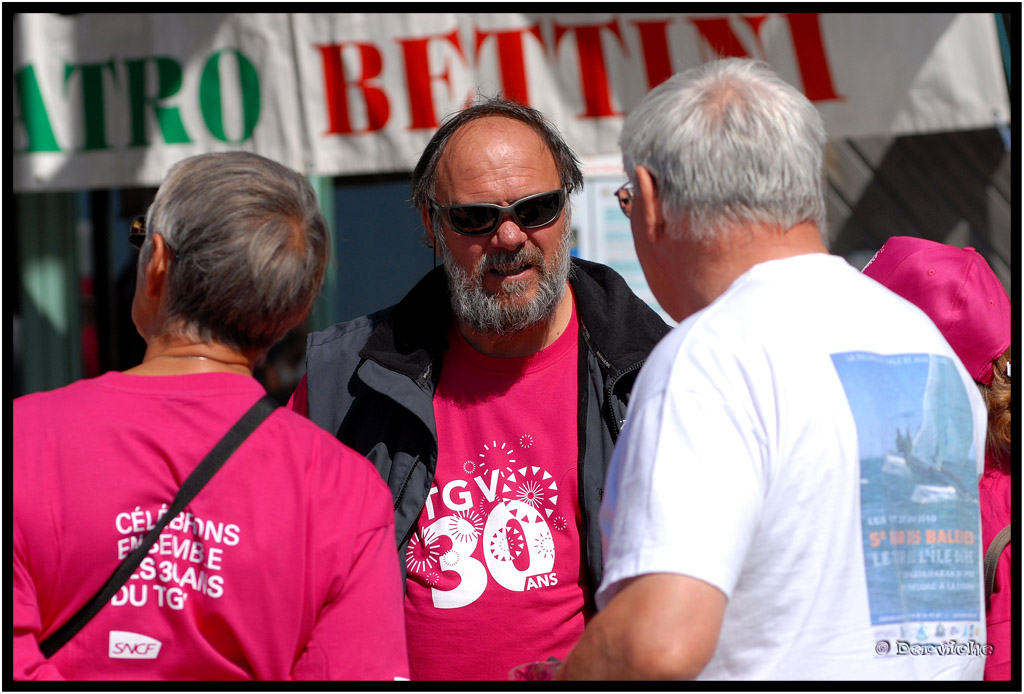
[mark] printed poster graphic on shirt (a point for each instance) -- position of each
(495, 522)
(919, 494)
(186, 558)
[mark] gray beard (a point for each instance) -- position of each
(493, 315)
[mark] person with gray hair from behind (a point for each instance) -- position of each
(761, 520)
(281, 566)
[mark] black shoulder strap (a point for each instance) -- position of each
(995, 549)
(196, 481)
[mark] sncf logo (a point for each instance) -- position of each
(125, 644)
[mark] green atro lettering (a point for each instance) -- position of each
(94, 116)
(210, 96)
(32, 114)
(34, 117)
(168, 118)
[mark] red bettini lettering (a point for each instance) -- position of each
(808, 47)
(336, 89)
(719, 36)
(654, 45)
(511, 60)
(593, 70)
(805, 28)
(418, 77)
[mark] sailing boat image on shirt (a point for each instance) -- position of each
(932, 482)
(919, 491)
(934, 457)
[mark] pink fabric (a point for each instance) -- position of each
(299, 401)
(958, 291)
(494, 576)
(282, 567)
(995, 492)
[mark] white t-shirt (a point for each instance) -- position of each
(769, 451)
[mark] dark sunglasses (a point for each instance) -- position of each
(481, 219)
(137, 231)
(624, 194)
(137, 234)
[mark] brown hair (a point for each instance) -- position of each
(997, 399)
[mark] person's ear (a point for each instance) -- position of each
(156, 269)
(428, 224)
(647, 204)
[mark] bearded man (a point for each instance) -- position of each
(490, 398)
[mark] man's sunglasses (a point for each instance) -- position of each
(137, 232)
(481, 219)
(624, 194)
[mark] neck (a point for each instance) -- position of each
(525, 342)
(722, 261)
(170, 357)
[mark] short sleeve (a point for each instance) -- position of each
(27, 660)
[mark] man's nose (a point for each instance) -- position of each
(509, 234)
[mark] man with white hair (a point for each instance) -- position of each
(759, 520)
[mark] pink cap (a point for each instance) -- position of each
(958, 291)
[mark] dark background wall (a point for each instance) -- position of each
(948, 187)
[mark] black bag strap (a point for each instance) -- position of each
(995, 548)
(195, 481)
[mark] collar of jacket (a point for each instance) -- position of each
(620, 327)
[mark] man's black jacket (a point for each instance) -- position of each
(371, 381)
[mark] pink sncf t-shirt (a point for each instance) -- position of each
(494, 575)
(282, 567)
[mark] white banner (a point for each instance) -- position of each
(106, 100)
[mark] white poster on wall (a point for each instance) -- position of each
(602, 231)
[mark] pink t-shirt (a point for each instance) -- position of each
(282, 567)
(494, 571)
(994, 499)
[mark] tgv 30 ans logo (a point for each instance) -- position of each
(125, 644)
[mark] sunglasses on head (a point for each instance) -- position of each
(137, 231)
(137, 234)
(481, 219)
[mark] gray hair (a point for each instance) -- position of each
(250, 245)
(424, 176)
(729, 144)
